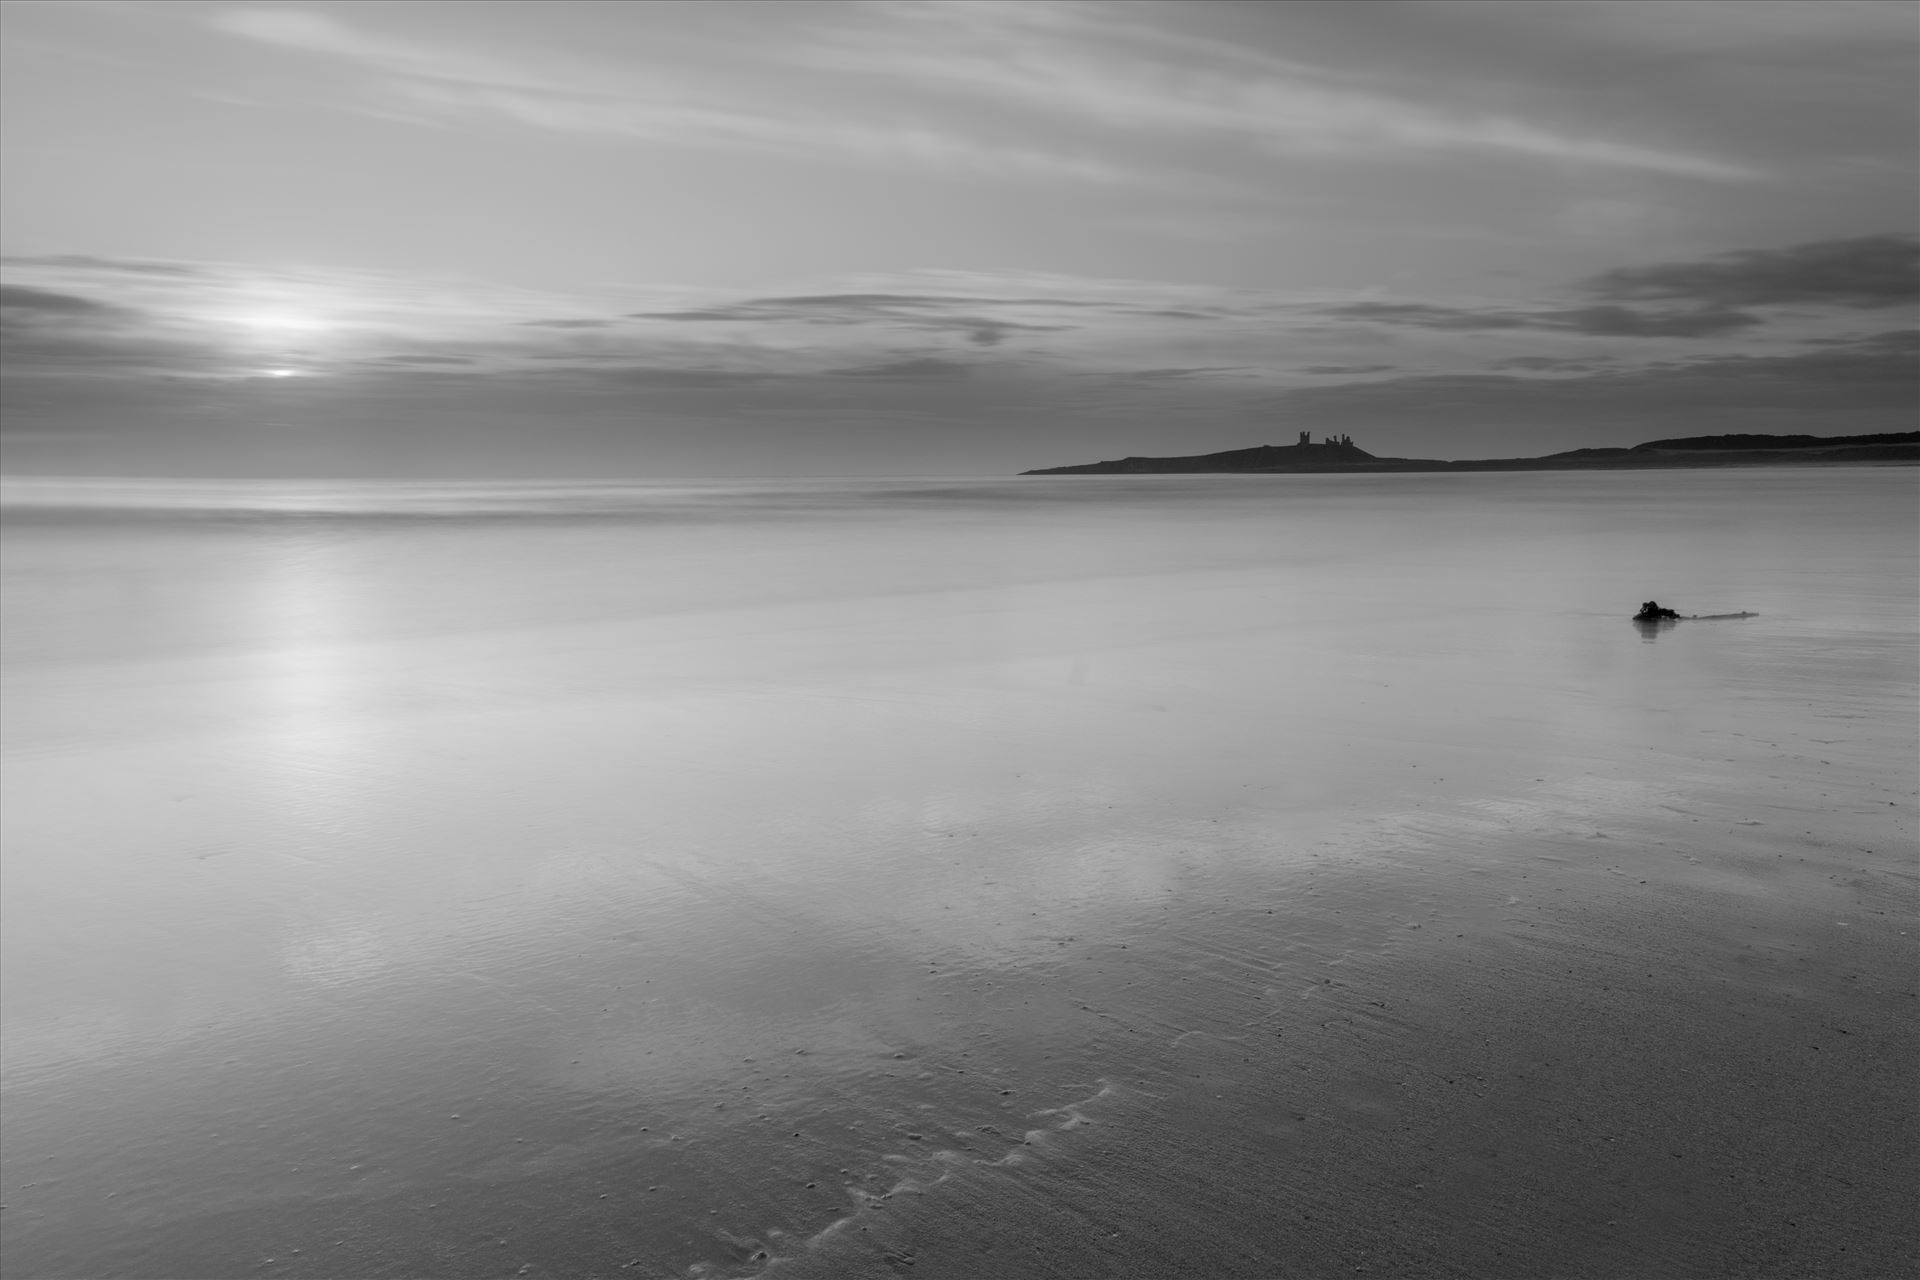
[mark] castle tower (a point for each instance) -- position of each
(1306, 437)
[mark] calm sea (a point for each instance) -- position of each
(650, 878)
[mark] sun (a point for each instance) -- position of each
(279, 342)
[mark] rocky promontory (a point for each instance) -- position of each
(1342, 455)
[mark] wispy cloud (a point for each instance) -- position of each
(662, 106)
(925, 367)
(217, 320)
(1864, 272)
(1895, 341)
(1108, 66)
(1178, 373)
(24, 304)
(1711, 26)
(931, 313)
(1830, 382)
(93, 340)
(214, 319)
(965, 89)
(1554, 364)
(47, 331)
(1599, 321)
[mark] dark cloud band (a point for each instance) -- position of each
(1868, 271)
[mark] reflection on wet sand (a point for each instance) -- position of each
(1650, 629)
(1170, 881)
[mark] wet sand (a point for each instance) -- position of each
(1116, 893)
(1597, 1080)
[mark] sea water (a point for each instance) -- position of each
(655, 878)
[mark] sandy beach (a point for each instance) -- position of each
(1060, 640)
(1225, 876)
(1633, 1069)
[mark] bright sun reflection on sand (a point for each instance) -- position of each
(313, 681)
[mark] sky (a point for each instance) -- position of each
(553, 239)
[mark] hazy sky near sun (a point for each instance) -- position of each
(815, 238)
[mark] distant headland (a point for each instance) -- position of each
(1340, 454)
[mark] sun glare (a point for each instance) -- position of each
(281, 324)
